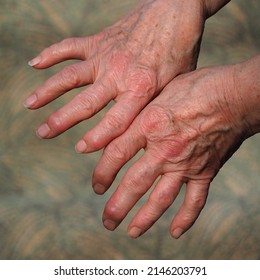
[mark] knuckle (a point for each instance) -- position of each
(58, 48)
(160, 200)
(188, 219)
(69, 75)
(69, 43)
(154, 120)
(55, 122)
(139, 78)
(134, 186)
(114, 211)
(111, 212)
(164, 199)
(114, 122)
(86, 103)
(197, 202)
(96, 144)
(98, 174)
(114, 153)
(143, 82)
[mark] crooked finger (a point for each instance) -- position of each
(71, 48)
(194, 201)
(115, 122)
(115, 155)
(160, 199)
(70, 77)
(137, 180)
(81, 107)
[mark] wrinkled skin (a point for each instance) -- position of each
(187, 133)
(128, 63)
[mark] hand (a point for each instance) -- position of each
(130, 63)
(187, 133)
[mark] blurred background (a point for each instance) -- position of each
(47, 207)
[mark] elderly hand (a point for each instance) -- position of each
(130, 63)
(187, 133)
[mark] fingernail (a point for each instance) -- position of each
(29, 102)
(134, 232)
(43, 131)
(34, 61)
(81, 146)
(109, 224)
(177, 233)
(99, 189)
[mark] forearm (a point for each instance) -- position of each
(212, 6)
(247, 85)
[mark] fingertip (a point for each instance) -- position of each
(99, 189)
(109, 224)
(35, 61)
(43, 131)
(30, 101)
(134, 232)
(177, 233)
(81, 146)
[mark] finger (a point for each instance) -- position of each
(194, 201)
(160, 199)
(115, 155)
(81, 107)
(115, 122)
(70, 77)
(72, 48)
(137, 180)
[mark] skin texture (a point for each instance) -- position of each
(188, 127)
(128, 63)
(187, 133)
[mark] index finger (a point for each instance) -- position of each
(71, 48)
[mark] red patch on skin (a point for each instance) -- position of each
(173, 148)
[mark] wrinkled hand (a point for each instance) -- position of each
(130, 63)
(187, 134)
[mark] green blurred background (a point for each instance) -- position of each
(47, 207)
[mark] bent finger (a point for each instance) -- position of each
(194, 201)
(71, 48)
(160, 199)
(115, 155)
(115, 122)
(70, 77)
(137, 180)
(81, 107)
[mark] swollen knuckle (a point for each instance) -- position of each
(134, 187)
(111, 211)
(160, 200)
(58, 48)
(197, 202)
(114, 211)
(154, 119)
(164, 199)
(95, 143)
(188, 219)
(69, 75)
(114, 153)
(143, 81)
(70, 43)
(86, 104)
(55, 122)
(114, 122)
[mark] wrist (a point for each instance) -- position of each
(247, 85)
(212, 6)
